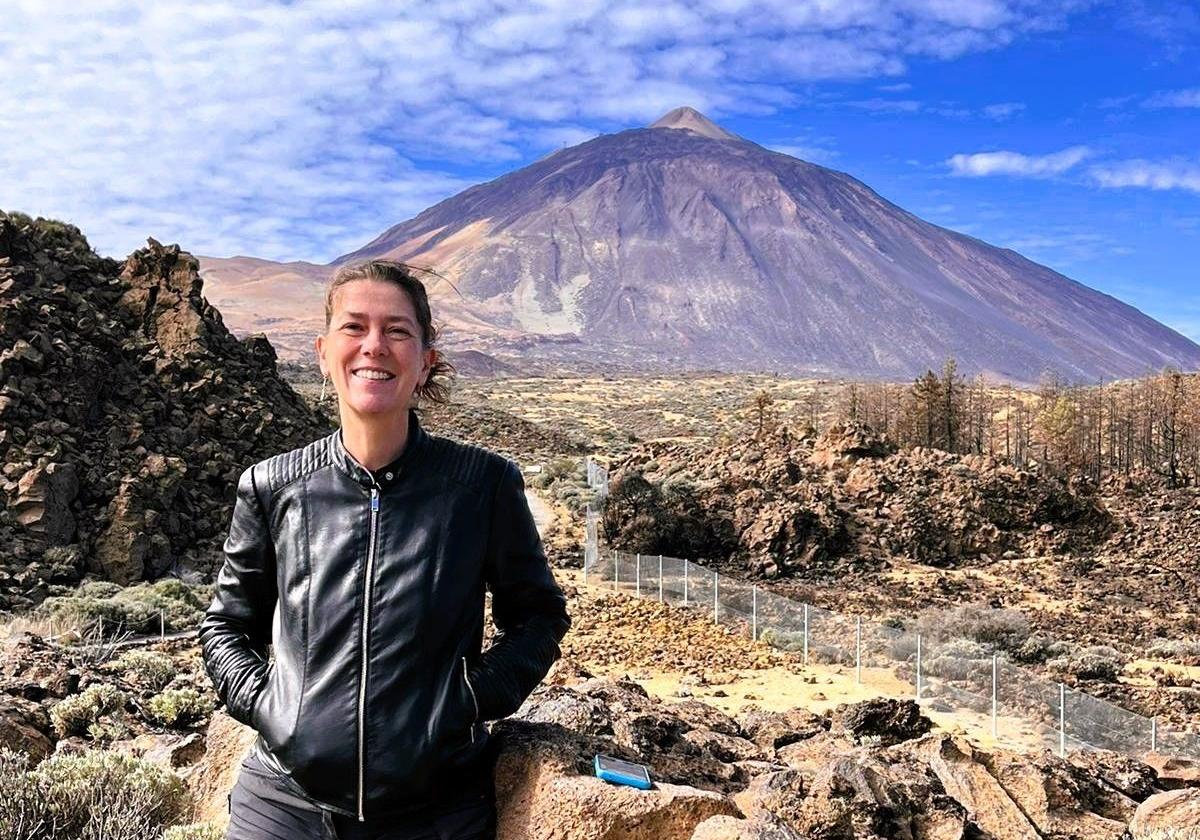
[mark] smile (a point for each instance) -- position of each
(365, 373)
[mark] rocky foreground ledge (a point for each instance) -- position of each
(869, 770)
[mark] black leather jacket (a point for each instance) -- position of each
(370, 589)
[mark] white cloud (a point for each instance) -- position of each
(1154, 175)
(1003, 110)
(1015, 163)
(1189, 98)
(292, 130)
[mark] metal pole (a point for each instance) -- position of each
(616, 570)
(162, 625)
(660, 580)
(685, 582)
(1062, 719)
(716, 585)
(754, 613)
(858, 649)
(918, 667)
(638, 574)
(995, 695)
(1154, 734)
(806, 634)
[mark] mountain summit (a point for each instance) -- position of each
(689, 119)
(683, 246)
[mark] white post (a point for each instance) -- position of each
(638, 574)
(754, 613)
(1062, 720)
(1154, 734)
(685, 582)
(858, 649)
(806, 634)
(716, 584)
(162, 625)
(918, 667)
(660, 580)
(995, 696)
(616, 570)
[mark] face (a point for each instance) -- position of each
(372, 350)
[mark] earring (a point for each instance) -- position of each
(324, 382)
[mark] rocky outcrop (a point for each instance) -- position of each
(786, 504)
(127, 411)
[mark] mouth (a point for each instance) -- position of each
(373, 374)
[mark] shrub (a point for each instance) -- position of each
(147, 668)
(1098, 662)
(109, 795)
(960, 660)
(73, 715)
(1183, 651)
(24, 800)
(178, 707)
(136, 608)
(1001, 628)
(194, 831)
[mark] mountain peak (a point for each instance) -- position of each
(689, 119)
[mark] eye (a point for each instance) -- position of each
(401, 332)
(352, 325)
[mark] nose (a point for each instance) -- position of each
(374, 343)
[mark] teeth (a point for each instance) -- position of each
(372, 374)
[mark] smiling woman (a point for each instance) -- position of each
(362, 560)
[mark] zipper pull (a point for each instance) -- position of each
(375, 499)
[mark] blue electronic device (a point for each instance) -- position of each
(622, 772)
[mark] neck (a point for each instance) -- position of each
(374, 441)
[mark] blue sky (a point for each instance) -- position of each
(1069, 131)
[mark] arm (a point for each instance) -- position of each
(528, 608)
(237, 627)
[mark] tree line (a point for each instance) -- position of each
(1150, 424)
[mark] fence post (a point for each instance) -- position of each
(858, 649)
(754, 612)
(995, 695)
(685, 582)
(638, 575)
(806, 634)
(1062, 720)
(716, 586)
(616, 571)
(918, 667)
(660, 581)
(1154, 734)
(162, 625)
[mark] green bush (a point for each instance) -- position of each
(147, 668)
(73, 715)
(93, 796)
(960, 660)
(178, 707)
(1001, 628)
(136, 608)
(194, 831)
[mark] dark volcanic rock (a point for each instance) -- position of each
(127, 409)
(884, 720)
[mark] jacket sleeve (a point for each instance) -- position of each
(236, 629)
(528, 608)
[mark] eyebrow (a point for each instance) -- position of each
(391, 319)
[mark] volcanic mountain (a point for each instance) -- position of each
(682, 246)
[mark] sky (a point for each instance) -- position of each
(1068, 130)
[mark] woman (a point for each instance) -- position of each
(362, 559)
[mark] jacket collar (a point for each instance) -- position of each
(417, 441)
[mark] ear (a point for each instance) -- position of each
(431, 358)
(320, 347)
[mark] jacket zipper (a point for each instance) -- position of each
(474, 699)
(362, 677)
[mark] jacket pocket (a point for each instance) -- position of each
(259, 699)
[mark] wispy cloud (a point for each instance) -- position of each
(1003, 110)
(1189, 98)
(1015, 163)
(299, 130)
(1154, 175)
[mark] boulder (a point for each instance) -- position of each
(1170, 810)
(43, 502)
(884, 720)
(25, 727)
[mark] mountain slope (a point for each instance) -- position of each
(681, 245)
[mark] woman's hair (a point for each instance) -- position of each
(437, 385)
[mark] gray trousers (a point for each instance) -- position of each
(262, 807)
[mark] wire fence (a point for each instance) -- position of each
(983, 690)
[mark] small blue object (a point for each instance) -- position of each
(622, 772)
